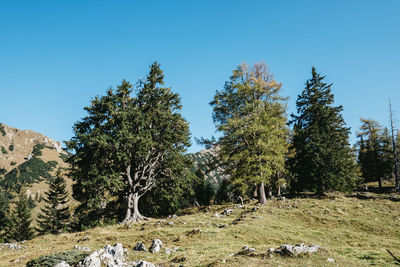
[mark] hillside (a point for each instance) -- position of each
(28, 157)
(17, 146)
(205, 161)
(352, 231)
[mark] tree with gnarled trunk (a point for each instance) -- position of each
(125, 144)
(250, 114)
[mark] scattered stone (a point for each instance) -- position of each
(227, 212)
(13, 246)
(168, 251)
(217, 215)
(140, 247)
(248, 249)
(256, 217)
(170, 223)
(330, 260)
(339, 211)
(156, 246)
(144, 264)
(254, 209)
(239, 207)
(300, 249)
(87, 249)
(223, 225)
(107, 256)
(62, 264)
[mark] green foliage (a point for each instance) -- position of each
(72, 257)
(2, 131)
(4, 150)
(250, 114)
(374, 151)
(31, 171)
(322, 158)
(3, 171)
(54, 217)
(37, 149)
(11, 147)
(125, 145)
(4, 209)
(19, 228)
(171, 193)
(13, 163)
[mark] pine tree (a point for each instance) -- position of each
(54, 217)
(124, 146)
(323, 160)
(250, 114)
(374, 151)
(20, 228)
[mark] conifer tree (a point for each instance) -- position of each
(374, 151)
(323, 160)
(250, 114)
(125, 145)
(19, 228)
(55, 216)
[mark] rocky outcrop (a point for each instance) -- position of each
(300, 249)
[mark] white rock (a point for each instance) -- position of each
(62, 264)
(156, 246)
(330, 260)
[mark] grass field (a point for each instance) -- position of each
(352, 231)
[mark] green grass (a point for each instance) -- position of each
(354, 232)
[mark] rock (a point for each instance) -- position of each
(168, 251)
(289, 250)
(217, 215)
(339, 211)
(227, 212)
(145, 264)
(140, 247)
(156, 246)
(254, 209)
(170, 223)
(330, 260)
(87, 249)
(195, 231)
(62, 264)
(107, 256)
(248, 249)
(13, 246)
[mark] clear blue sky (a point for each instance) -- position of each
(56, 55)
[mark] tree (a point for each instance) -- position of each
(125, 144)
(55, 216)
(19, 228)
(250, 114)
(374, 151)
(322, 158)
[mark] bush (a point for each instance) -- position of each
(4, 150)
(11, 147)
(37, 149)
(2, 131)
(72, 257)
(13, 163)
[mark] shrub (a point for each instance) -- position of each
(4, 150)
(37, 149)
(11, 147)
(72, 257)
(2, 131)
(13, 163)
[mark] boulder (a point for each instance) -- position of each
(300, 249)
(156, 245)
(227, 212)
(62, 264)
(140, 247)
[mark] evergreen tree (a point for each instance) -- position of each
(374, 151)
(323, 160)
(19, 228)
(55, 216)
(250, 114)
(124, 146)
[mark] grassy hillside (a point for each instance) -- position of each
(353, 231)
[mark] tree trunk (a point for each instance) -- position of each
(263, 199)
(380, 183)
(132, 211)
(255, 193)
(279, 191)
